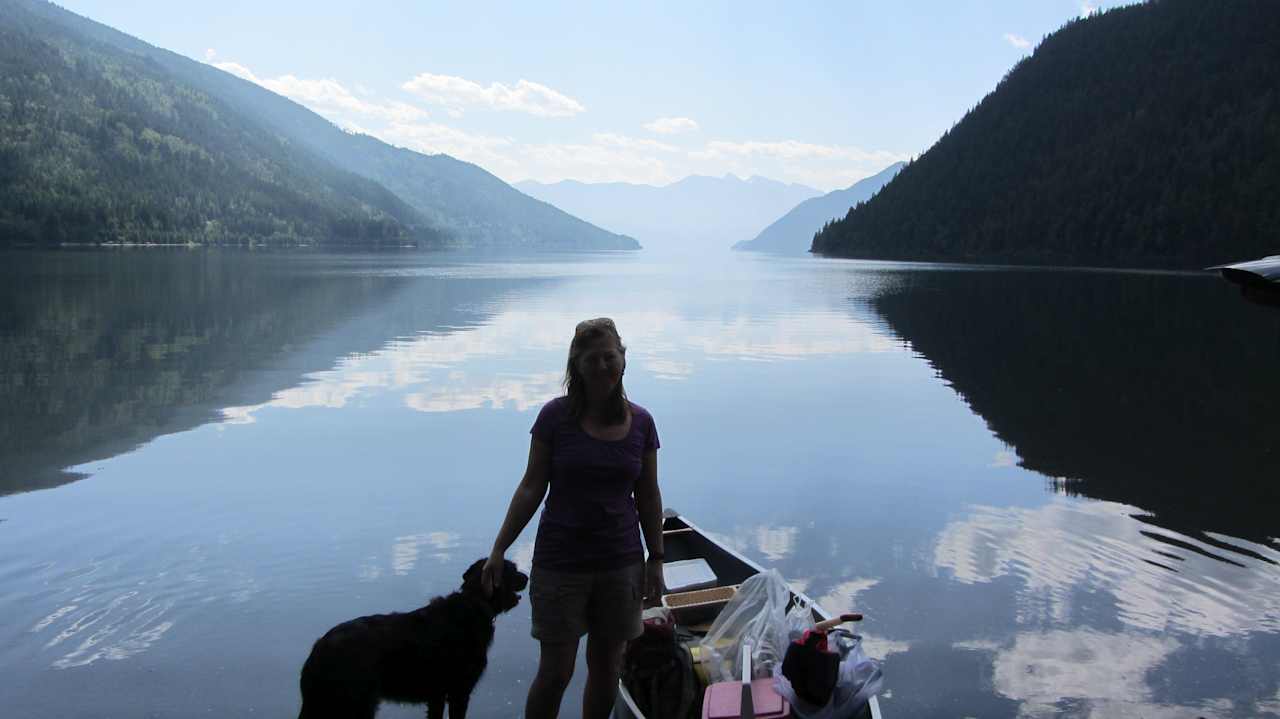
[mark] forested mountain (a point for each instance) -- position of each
(466, 204)
(1146, 135)
(792, 234)
(696, 213)
(100, 145)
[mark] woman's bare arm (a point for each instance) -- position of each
(526, 500)
(649, 506)
(649, 502)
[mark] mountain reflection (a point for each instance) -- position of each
(103, 352)
(1151, 390)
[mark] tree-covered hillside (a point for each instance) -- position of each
(468, 204)
(1144, 136)
(792, 233)
(101, 145)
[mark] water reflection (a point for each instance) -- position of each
(97, 615)
(1146, 389)
(473, 369)
(364, 457)
(102, 352)
(1108, 672)
(1063, 546)
(405, 551)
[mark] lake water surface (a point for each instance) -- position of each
(1050, 492)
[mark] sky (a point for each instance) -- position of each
(819, 93)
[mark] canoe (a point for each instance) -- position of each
(1259, 280)
(683, 539)
(1264, 271)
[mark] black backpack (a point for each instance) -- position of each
(658, 673)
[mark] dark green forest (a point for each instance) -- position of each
(1147, 135)
(275, 169)
(97, 145)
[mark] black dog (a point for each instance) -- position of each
(431, 655)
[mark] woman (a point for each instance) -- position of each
(594, 450)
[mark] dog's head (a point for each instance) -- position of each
(506, 596)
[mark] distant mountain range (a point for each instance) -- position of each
(792, 234)
(106, 138)
(1146, 135)
(695, 214)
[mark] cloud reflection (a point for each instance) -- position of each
(487, 365)
(406, 549)
(776, 543)
(1069, 545)
(523, 393)
(1108, 671)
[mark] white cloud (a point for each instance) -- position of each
(604, 157)
(326, 96)
(234, 68)
(329, 93)
(1017, 41)
(610, 139)
(529, 97)
(671, 125)
(395, 122)
(1087, 9)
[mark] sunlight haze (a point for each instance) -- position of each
(822, 94)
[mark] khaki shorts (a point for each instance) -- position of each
(567, 605)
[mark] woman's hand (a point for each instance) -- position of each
(491, 573)
(654, 585)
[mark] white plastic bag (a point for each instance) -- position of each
(756, 614)
(858, 680)
(799, 618)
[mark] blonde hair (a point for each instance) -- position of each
(586, 332)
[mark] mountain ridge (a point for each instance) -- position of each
(793, 232)
(1142, 136)
(97, 145)
(461, 202)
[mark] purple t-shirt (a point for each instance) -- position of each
(589, 522)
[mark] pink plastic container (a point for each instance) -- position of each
(723, 700)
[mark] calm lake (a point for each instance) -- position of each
(1050, 492)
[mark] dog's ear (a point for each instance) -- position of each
(471, 577)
